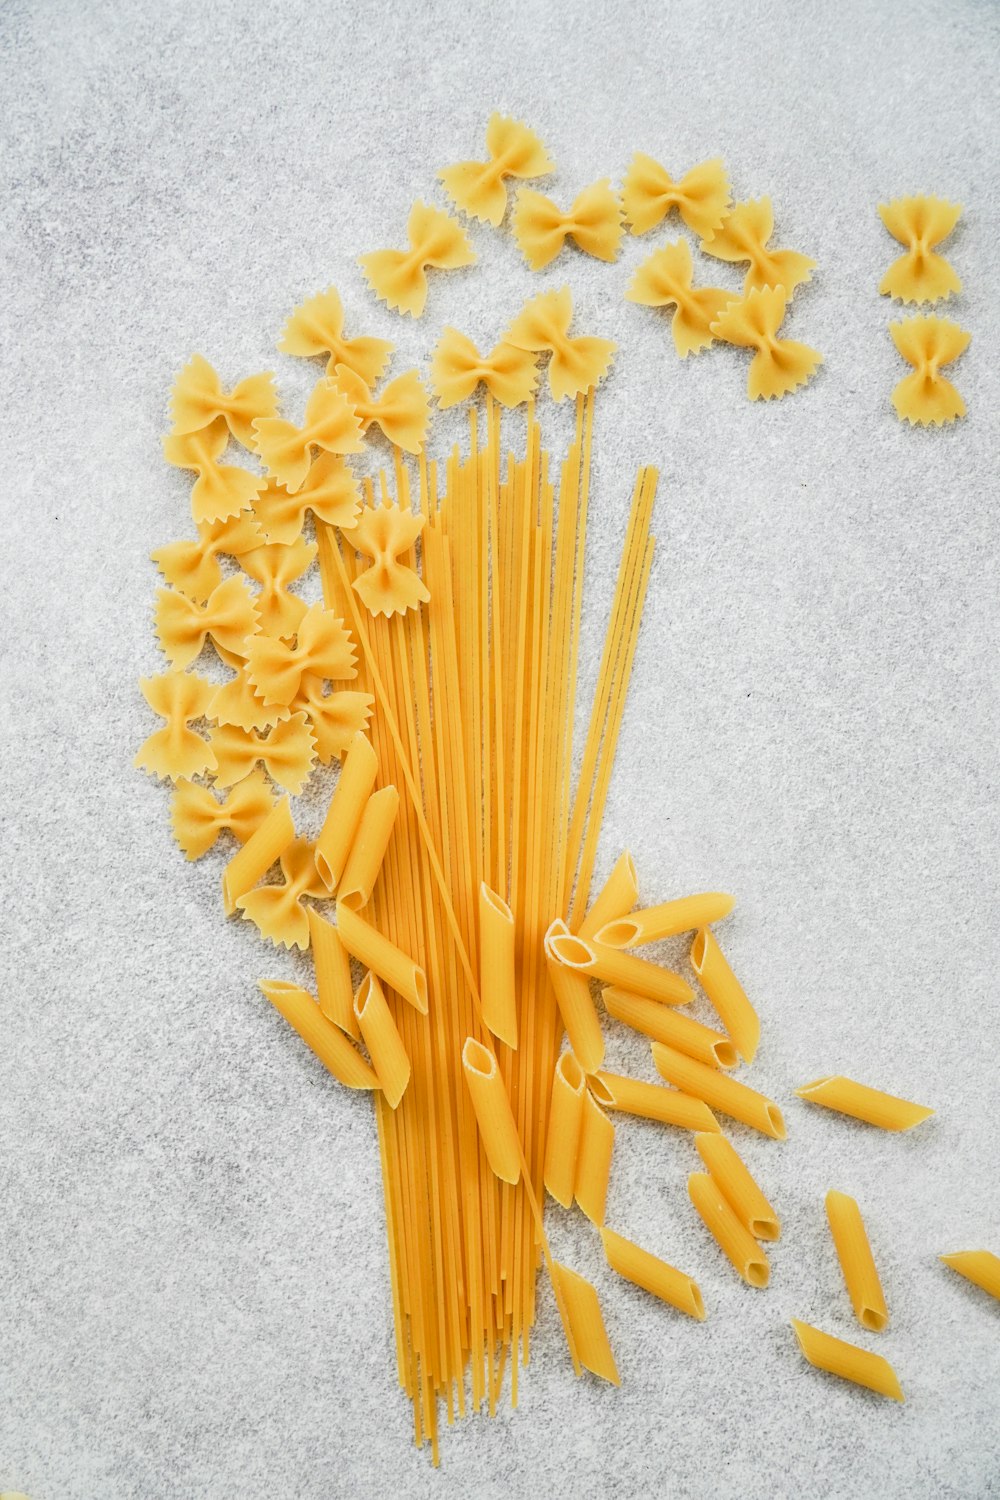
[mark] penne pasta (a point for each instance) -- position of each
(981, 1267)
(669, 919)
(662, 1023)
(652, 1274)
(593, 1160)
(496, 965)
(720, 1091)
(587, 1324)
(368, 849)
(372, 949)
(856, 1261)
(572, 992)
(637, 975)
(347, 805)
(565, 1123)
(258, 854)
(734, 1182)
(862, 1103)
(847, 1361)
(650, 1101)
(733, 1239)
(335, 1051)
(493, 1112)
(726, 994)
(382, 1039)
(333, 973)
(618, 895)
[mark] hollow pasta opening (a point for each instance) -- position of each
(570, 1071)
(477, 1059)
(571, 951)
(363, 996)
(420, 985)
(725, 1054)
(698, 948)
(764, 1229)
(697, 1301)
(777, 1121)
(618, 934)
(873, 1320)
(496, 902)
(600, 1091)
(758, 1273)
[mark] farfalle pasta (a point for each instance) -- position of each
(330, 491)
(402, 410)
(276, 910)
(665, 280)
(399, 277)
(594, 224)
(927, 342)
(921, 275)
(330, 425)
(287, 752)
(235, 702)
(457, 369)
(192, 567)
(183, 625)
(778, 365)
(577, 364)
(176, 751)
(197, 818)
(701, 196)
(317, 327)
(334, 717)
(322, 648)
(198, 400)
(274, 567)
(478, 187)
(384, 533)
(744, 235)
(221, 490)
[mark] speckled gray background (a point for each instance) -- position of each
(193, 1290)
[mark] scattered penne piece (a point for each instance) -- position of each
(333, 974)
(368, 847)
(652, 1274)
(382, 1039)
(669, 919)
(572, 992)
(624, 970)
(863, 1103)
(847, 1361)
(562, 1147)
(589, 1333)
(663, 1023)
(258, 854)
(617, 896)
(334, 1049)
(734, 1240)
(981, 1267)
(374, 950)
(651, 1101)
(741, 1192)
(856, 1261)
(723, 1093)
(726, 994)
(346, 810)
(593, 1162)
(497, 1129)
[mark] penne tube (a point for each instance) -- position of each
(726, 994)
(735, 1241)
(651, 1101)
(583, 1312)
(258, 854)
(593, 1160)
(572, 992)
(618, 895)
(335, 1051)
(669, 919)
(493, 1112)
(981, 1267)
(661, 1023)
(333, 973)
(497, 985)
(368, 849)
(652, 1274)
(382, 1039)
(637, 975)
(565, 1121)
(856, 1261)
(847, 1361)
(372, 949)
(862, 1103)
(734, 1182)
(347, 805)
(720, 1091)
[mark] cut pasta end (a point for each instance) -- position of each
(725, 1054)
(569, 950)
(874, 1319)
(765, 1229)
(620, 934)
(777, 1122)
(757, 1273)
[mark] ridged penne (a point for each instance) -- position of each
(257, 855)
(617, 895)
(733, 1239)
(374, 950)
(670, 918)
(593, 1160)
(562, 1146)
(637, 975)
(572, 992)
(846, 1097)
(347, 806)
(720, 1091)
(368, 848)
(590, 1336)
(494, 1116)
(335, 1051)
(726, 994)
(382, 1039)
(847, 1361)
(651, 1101)
(662, 1023)
(496, 965)
(652, 1274)
(333, 973)
(981, 1267)
(856, 1261)
(741, 1192)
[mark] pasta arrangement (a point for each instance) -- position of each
(446, 901)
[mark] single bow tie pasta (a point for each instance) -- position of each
(221, 491)
(399, 277)
(176, 751)
(198, 399)
(664, 280)
(928, 342)
(477, 187)
(701, 197)
(317, 327)
(389, 586)
(577, 364)
(779, 365)
(193, 568)
(197, 819)
(330, 424)
(744, 235)
(594, 224)
(329, 491)
(509, 374)
(402, 410)
(920, 275)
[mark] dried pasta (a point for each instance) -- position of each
(927, 398)
(497, 1129)
(726, 994)
(330, 491)
(346, 811)
(399, 277)
(316, 327)
(334, 990)
(593, 1159)
(617, 896)
(287, 753)
(734, 1240)
(183, 626)
(726, 1094)
(329, 426)
(198, 400)
(651, 1101)
(382, 1040)
(509, 374)
(594, 224)
(847, 1361)
(478, 187)
(374, 950)
(981, 1267)
(589, 1333)
(662, 1023)
(334, 717)
(322, 649)
(572, 992)
(235, 702)
(192, 568)
(279, 611)
(197, 818)
(402, 410)
(921, 275)
(885, 1111)
(334, 1049)
(741, 1192)
(743, 236)
(562, 1148)
(176, 751)
(577, 364)
(384, 533)
(368, 848)
(856, 1261)
(669, 919)
(637, 975)
(665, 280)
(701, 196)
(258, 854)
(497, 965)
(779, 365)
(652, 1274)
(221, 491)
(276, 910)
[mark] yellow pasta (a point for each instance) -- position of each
(221, 491)
(662, 1023)
(577, 364)
(589, 1333)
(279, 611)
(176, 751)
(927, 398)
(652, 1274)
(863, 1103)
(235, 702)
(727, 1095)
(847, 1361)
(389, 586)
(197, 818)
(257, 855)
(669, 919)
(402, 410)
(346, 810)
(981, 1267)
(497, 983)
(726, 994)
(382, 1040)
(701, 196)
(334, 717)
(572, 992)
(374, 950)
(317, 327)
(743, 235)
(329, 424)
(276, 910)
(920, 223)
(330, 491)
(368, 848)
(509, 374)
(779, 365)
(856, 1261)
(477, 187)
(399, 277)
(183, 626)
(497, 1129)
(565, 1124)
(651, 1101)
(193, 567)
(334, 989)
(617, 896)
(624, 970)
(594, 223)
(593, 1159)
(740, 1191)
(335, 1051)
(665, 280)
(734, 1240)
(322, 649)
(287, 753)
(198, 400)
